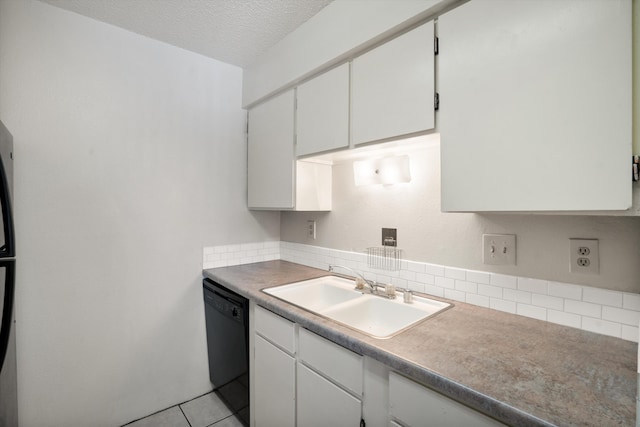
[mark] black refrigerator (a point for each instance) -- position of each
(8, 373)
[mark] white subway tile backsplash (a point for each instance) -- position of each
(428, 279)
(531, 311)
(583, 308)
(455, 273)
(565, 319)
(502, 305)
(517, 296)
(435, 270)
(620, 315)
(503, 281)
(468, 287)
(631, 301)
(455, 295)
(532, 285)
(602, 327)
(479, 277)
(597, 310)
(408, 275)
(602, 296)
(416, 267)
(479, 300)
(434, 290)
(417, 286)
(547, 301)
(445, 282)
(565, 290)
(629, 333)
(490, 291)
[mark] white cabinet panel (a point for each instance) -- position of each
(270, 153)
(322, 404)
(274, 386)
(535, 105)
(322, 113)
(417, 406)
(392, 88)
(277, 329)
(341, 365)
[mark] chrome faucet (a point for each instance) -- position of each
(372, 285)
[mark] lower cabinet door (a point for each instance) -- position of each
(321, 403)
(274, 378)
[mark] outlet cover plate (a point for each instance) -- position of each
(499, 249)
(585, 257)
(311, 229)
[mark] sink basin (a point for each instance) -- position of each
(316, 294)
(335, 298)
(383, 318)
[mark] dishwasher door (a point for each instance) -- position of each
(227, 322)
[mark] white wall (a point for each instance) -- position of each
(129, 158)
(454, 239)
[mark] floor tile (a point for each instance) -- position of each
(231, 421)
(172, 417)
(205, 410)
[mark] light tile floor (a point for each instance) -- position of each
(226, 407)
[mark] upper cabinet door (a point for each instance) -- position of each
(535, 105)
(392, 88)
(270, 154)
(323, 112)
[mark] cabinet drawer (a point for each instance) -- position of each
(341, 365)
(416, 405)
(276, 329)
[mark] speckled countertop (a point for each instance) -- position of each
(518, 370)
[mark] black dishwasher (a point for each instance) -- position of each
(227, 323)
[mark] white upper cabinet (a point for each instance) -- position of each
(535, 105)
(322, 113)
(270, 153)
(275, 180)
(392, 88)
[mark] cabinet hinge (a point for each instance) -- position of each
(436, 45)
(436, 101)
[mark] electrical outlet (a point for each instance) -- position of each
(584, 256)
(311, 229)
(499, 249)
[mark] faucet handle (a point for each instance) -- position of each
(390, 290)
(408, 296)
(359, 283)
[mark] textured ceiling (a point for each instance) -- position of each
(232, 31)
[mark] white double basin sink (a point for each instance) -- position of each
(337, 299)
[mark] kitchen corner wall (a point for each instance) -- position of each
(455, 239)
(129, 158)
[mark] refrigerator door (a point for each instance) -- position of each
(7, 239)
(8, 368)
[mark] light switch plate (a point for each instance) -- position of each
(499, 249)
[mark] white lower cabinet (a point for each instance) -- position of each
(275, 371)
(414, 405)
(301, 379)
(321, 403)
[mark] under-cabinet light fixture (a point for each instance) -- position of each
(385, 170)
